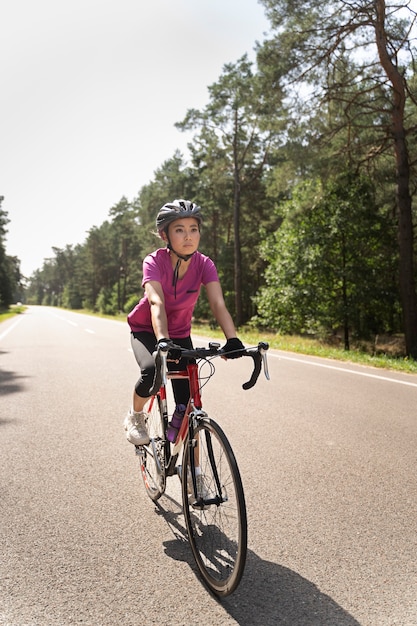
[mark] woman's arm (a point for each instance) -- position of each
(156, 299)
(219, 310)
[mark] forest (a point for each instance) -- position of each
(304, 163)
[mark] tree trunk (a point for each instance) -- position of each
(236, 231)
(405, 220)
(345, 298)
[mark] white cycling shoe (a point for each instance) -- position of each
(134, 426)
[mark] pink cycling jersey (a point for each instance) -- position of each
(179, 303)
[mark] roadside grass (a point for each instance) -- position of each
(386, 354)
(15, 309)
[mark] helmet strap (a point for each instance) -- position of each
(180, 257)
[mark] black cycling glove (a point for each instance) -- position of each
(174, 352)
(163, 340)
(233, 348)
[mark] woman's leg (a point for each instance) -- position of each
(181, 388)
(143, 345)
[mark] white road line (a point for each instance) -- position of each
(64, 319)
(6, 332)
(344, 369)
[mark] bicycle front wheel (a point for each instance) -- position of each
(153, 456)
(215, 516)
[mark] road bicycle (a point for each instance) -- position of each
(212, 492)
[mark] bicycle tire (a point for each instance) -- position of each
(153, 455)
(217, 530)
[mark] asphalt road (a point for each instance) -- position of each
(327, 453)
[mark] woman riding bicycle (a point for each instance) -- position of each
(172, 278)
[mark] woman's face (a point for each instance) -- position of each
(184, 235)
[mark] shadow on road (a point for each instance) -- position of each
(10, 382)
(269, 594)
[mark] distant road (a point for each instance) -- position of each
(328, 456)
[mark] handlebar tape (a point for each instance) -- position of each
(257, 365)
(157, 381)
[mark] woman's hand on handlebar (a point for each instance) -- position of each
(232, 349)
(169, 346)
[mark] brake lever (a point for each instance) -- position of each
(259, 359)
(257, 364)
(263, 349)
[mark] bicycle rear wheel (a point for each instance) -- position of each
(153, 456)
(216, 519)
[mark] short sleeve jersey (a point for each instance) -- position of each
(179, 302)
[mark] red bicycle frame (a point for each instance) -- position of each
(195, 402)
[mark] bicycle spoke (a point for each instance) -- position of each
(216, 520)
(152, 456)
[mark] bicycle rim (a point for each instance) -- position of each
(217, 530)
(152, 456)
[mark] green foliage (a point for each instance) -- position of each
(11, 288)
(107, 301)
(365, 99)
(131, 303)
(330, 264)
(71, 298)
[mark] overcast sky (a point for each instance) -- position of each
(90, 93)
